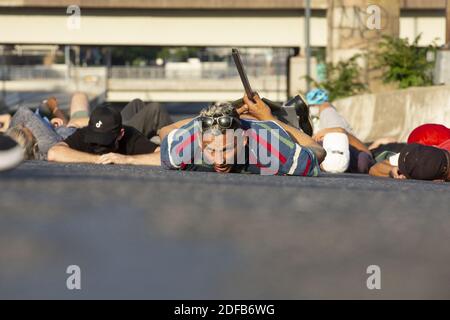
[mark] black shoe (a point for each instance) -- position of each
(11, 154)
(304, 118)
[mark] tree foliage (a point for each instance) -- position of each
(406, 64)
(343, 79)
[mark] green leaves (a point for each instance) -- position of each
(406, 64)
(342, 79)
(403, 63)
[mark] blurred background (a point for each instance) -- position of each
(178, 52)
(386, 66)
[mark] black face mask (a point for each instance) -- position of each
(100, 150)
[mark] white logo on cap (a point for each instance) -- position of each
(99, 124)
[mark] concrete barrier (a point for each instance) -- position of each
(396, 113)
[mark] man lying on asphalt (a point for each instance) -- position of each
(433, 142)
(106, 141)
(419, 162)
(345, 152)
(224, 139)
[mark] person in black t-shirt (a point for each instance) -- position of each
(106, 141)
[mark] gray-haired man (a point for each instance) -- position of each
(223, 135)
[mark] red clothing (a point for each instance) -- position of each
(430, 135)
(445, 145)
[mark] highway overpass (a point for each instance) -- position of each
(256, 23)
(219, 23)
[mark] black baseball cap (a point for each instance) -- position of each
(104, 126)
(421, 162)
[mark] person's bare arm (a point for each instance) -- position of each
(304, 140)
(353, 141)
(164, 132)
(380, 142)
(5, 120)
(151, 159)
(262, 112)
(358, 144)
(382, 169)
(61, 152)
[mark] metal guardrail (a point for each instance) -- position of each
(148, 72)
(30, 72)
(137, 72)
(127, 72)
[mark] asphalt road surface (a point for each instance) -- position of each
(139, 232)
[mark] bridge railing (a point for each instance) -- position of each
(126, 72)
(32, 72)
(202, 71)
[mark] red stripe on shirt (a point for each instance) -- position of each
(268, 146)
(254, 161)
(187, 142)
(260, 166)
(308, 165)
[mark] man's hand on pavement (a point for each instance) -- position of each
(396, 174)
(113, 158)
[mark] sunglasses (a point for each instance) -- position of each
(224, 122)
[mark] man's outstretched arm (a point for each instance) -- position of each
(381, 169)
(305, 141)
(5, 120)
(61, 152)
(353, 141)
(163, 133)
(64, 154)
(262, 112)
(151, 159)
(386, 170)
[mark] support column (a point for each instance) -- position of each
(447, 30)
(357, 26)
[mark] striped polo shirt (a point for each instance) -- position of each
(270, 150)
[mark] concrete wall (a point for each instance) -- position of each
(396, 113)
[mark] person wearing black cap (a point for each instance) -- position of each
(419, 162)
(416, 162)
(106, 141)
